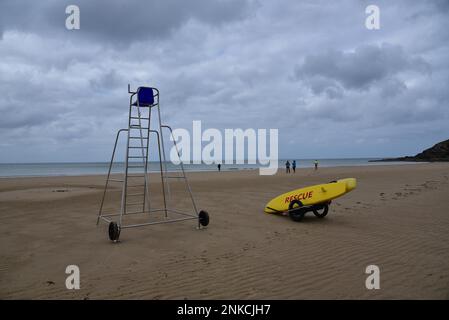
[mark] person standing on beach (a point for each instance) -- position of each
(316, 164)
(287, 167)
(294, 166)
(219, 167)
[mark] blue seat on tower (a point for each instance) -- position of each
(145, 97)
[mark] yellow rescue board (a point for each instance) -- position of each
(312, 195)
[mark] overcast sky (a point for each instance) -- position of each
(312, 69)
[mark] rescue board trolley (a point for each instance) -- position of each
(135, 185)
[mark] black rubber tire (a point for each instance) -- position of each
(319, 214)
(203, 217)
(296, 213)
(114, 231)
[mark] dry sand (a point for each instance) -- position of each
(397, 219)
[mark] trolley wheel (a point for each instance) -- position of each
(203, 217)
(318, 213)
(295, 210)
(114, 231)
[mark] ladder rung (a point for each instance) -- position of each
(138, 137)
(136, 166)
(134, 203)
(174, 177)
(137, 147)
(139, 118)
(134, 186)
(137, 157)
(116, 180)
(138, 127)
(134, 212)
(135, 194)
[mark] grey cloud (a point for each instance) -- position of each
(359, 69)
(319, 84)
(116, 21)
(391, 87)
(108, 80)
(228, 64)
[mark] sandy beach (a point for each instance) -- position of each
(397, 219)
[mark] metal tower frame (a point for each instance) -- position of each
(141, 104)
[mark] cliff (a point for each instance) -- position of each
(439, 152)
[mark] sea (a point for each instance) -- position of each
(100, 168)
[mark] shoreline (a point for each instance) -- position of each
(280, 169)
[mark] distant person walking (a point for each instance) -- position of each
(287, 167)
(316, 164)
(219, 167)
(294, 166)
